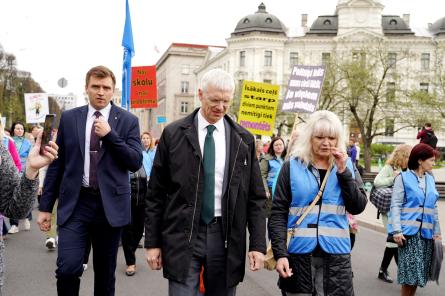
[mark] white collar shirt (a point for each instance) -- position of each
(90, 120)
(219, 136)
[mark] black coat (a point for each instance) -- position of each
(174, 199)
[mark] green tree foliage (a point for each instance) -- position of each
(364, 85)
(13, 85)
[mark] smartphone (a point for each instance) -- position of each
(48, 128)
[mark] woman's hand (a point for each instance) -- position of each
(340, 159)
(283, 268)
(399, 239)
(36, 161)
(437, 237)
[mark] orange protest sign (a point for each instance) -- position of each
(143, 87)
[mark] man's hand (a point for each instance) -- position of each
(101, 127)
(36, 161)
(256, 260)
(44, 221)
(154, 258)
(283, 268)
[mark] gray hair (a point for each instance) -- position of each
(320, 123)
(219, 79)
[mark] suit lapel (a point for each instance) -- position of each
(81, 122)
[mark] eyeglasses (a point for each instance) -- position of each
(215, 102)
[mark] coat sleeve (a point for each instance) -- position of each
(256, 211)
(264, 168)
(17, 193)
(354, 195)
(279, 215)
(157, 193)
(129, 152)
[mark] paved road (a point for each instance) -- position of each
(30, 271)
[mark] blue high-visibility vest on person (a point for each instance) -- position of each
(327, 223)
(418, 211)
(274, 168)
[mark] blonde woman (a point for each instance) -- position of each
(397, 162)
(317, 259)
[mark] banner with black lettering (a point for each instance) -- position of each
(258, 107)
(303, 89)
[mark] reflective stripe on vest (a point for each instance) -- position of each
(417, 210)
(327, 224)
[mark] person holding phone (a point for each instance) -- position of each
(17, 192)
(414, 218)
(99, 144)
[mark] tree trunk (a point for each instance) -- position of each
(367, 154)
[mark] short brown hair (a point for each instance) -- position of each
(420, 152)
(100, 72)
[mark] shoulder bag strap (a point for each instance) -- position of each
(317, 197)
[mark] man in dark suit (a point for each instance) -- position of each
(205, 188)
(98, 146)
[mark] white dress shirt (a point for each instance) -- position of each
(219, 136)
(90, 120)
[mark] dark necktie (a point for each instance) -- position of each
(208, 200)
(94, 152)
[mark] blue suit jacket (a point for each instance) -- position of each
(120, 152)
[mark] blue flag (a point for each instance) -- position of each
(127, 43)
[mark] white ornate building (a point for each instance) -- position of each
(260, 49)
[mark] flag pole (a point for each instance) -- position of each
(127, 43)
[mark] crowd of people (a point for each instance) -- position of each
(208, 193)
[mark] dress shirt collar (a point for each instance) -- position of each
(105, 111)
(203, 123)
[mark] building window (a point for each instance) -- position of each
(327, 22)
(392, 59)
(268, 58)
(325, 58)
(359, 57)
(268, 20)
(389, 127)
(242, 58)
(293, 59)
(390, 92)
(185, 69)
(184, 87)
(425, 62)
(424, 87)
(184, 107)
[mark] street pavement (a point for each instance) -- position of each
(30, 271)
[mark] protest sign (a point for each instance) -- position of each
(258, 107)
(304, 88)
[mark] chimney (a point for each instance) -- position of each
(406, 19)
(304, 22)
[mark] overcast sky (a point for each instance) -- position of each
(64, 38)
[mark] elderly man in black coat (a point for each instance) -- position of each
(204, 189)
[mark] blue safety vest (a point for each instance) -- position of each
(327, 223)
(274, 168)
(418, 208)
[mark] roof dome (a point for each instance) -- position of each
(260, 21)
(438, 27)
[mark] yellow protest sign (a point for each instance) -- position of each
(258, 107)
